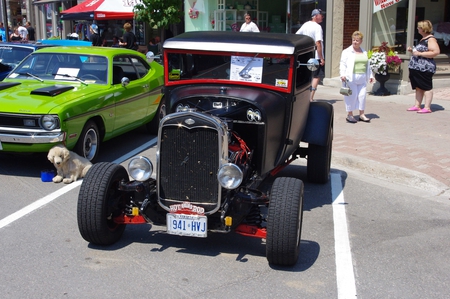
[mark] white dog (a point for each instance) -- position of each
(69, 165)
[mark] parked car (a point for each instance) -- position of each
(11, 54)
(78, 97)
(237, 110)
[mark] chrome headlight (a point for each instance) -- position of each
(140, 168)
(49, 122)
(230, 176)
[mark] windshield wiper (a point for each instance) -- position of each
(71, 76)
(32, 76)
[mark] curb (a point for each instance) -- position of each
(390, 173)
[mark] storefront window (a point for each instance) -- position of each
(17, 12)
(390, 23)
(301, 13)
(48, 8)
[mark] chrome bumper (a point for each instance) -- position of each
(30, 136)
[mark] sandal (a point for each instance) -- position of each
(424, 110)
(351, 119)
(364, 119)
(413, 108)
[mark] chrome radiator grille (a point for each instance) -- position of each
(188, 163)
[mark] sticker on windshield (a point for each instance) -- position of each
(175, 74)
(281, 83)
(244, 68)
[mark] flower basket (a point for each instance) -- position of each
(383, 60)
(394, 69)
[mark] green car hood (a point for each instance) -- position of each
(43, 98)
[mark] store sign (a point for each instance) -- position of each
(382, 4)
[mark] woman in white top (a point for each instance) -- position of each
(249, 26)
(355, 69)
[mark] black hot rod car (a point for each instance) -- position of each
(235, 110)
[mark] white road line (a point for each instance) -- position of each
(344, 266)
(51, 197)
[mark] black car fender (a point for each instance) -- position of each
(319, 123)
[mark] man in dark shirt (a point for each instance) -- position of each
(31, 31)
(95, 38)
(129, 39)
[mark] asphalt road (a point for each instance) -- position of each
(361, 237)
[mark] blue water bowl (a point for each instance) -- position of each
(47, 175)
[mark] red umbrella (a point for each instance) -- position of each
(100, 10)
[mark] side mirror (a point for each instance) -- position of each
(124, 81)
(312, 64)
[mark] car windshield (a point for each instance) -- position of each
(270, 70)
(12, 56)
(63, 67)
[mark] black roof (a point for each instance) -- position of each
(247, 42)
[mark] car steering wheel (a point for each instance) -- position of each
(87, 76)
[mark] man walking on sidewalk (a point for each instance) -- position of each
(315, 31)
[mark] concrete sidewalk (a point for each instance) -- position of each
(399, 146)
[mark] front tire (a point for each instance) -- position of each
(88, 144)
(99, 201)
(284, 223)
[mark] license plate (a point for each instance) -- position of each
(187, 225)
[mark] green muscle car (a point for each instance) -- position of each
(78, 97)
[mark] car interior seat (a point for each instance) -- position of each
(117, 74)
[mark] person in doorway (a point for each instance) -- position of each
(94, 38)
(422, 67)
(31, 31)
(248, 25)
(354, 69)
(129, 39)
(313, 29)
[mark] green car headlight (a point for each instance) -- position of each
(230, 176)
(49, 122)
(140, 168)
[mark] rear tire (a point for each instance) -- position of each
(284, 223)
(319, 161)
(99, 201)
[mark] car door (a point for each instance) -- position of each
(131, 99)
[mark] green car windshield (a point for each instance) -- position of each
(63, 67)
